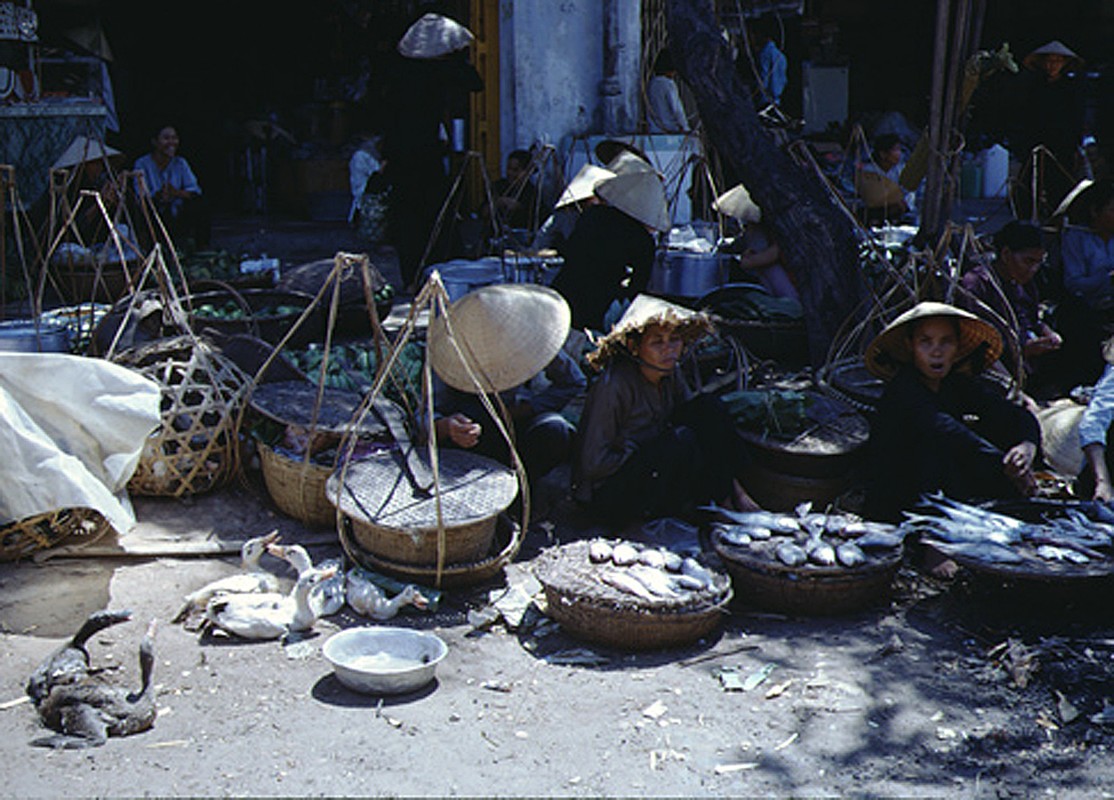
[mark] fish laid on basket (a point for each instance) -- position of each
(1076, 541)
(629, 596)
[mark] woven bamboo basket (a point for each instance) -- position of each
(196, 447)
(33, 534)
(809, 589)
(297, 487)
(393, 522)
(592, 610)
(504, 547)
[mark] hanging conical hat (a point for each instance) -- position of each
(583, 185)
(1054, 48)
(626, 162)
(509, 332)
(83, 149)
(640, 195)
(892, 347)
(608, 149)
(736, 202)
(646, 310)
(434, 36)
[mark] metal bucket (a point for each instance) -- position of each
(461, 276)
(679, 273)
(20, 336)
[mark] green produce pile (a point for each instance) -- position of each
(210, 265)
(354, 366)
(231, 310)
(772, 412)
(383, 295)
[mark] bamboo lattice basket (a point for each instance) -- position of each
(393, 522)
(599, 613)
(297, 487)
(39, 532)
(196, 448)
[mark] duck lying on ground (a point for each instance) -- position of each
(70, 662)
(368, 600)
(250, 580)
(327, 597)
(86, 713)
(269, 615)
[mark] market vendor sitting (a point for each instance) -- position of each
(513, 336)
(577, 196)
(647, 447)
(1003, 293)
(759, 253)
(610, 255)
(937, 428)
(878, 181)
(175, 189)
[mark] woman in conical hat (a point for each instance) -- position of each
(577, 196)
(937, 427)
(648, 447)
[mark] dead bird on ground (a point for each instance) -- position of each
(86, 713)
(70, 662)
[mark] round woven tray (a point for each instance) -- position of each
(33, 534)
(393, 522)
(504, 547)
(292, 402)
(592, 610)
(808, 589)
(298, 487)
(195, 449)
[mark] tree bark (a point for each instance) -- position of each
(818, 243)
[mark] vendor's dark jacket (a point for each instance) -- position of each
(952, 440)
(608, 257)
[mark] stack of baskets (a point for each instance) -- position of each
(30, 535)
(196, 448)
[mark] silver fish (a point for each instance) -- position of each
(625, 582)
(1053, 553)
(952, 530)
(790, 554)
(694, 569)
(864, 527)
(850, 554)
(690, 583)
(599, 551)
(735, 535)
(673, 561)
(836, 524)
(820, 552)
(879, 540)
(1059, 539)
(777, 523)
(624, 554)
(653, 579)
(986, 551)
(652, 558)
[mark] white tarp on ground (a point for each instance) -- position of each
(71, 431)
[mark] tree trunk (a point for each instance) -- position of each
(817, 241)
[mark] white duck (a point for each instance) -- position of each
(368, 600)
(251, 580)
(327, 597)
(270, 615)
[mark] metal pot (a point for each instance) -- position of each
(679, 273)
(20, 336)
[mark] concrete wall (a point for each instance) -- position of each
(552, 69)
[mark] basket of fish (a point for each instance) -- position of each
(807, 562)
(1047, 541)
(631, 597)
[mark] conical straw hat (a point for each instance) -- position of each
(83, 149)
(736, 202)
(434, 36)
(608, 149)
(1054, 48)
(508, 332)
(583, 185)
(646, 310)
(640, 195)
(892, 347)
(626, 162)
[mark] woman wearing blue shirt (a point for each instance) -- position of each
(172, 185)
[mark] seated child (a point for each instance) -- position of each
(936, 427)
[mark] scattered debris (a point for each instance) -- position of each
(727, 769)
(655, 710)
(578, 657)
(756, 678)
(792, 738)
(1104, 717)
(13, 703)
(497, 686)
(892, 646)
(1064, 707)
(778, 689)
(1019, 661)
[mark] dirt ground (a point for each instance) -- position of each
(958, 689)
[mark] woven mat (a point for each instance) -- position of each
(472, 488)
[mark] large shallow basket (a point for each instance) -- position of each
(259, 317)
(39, 532)
(392, 521)
(196, 447)
(297, 487)
(591, 610)
(504, 547)
(809, 589)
